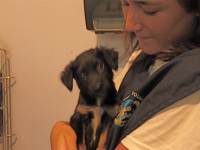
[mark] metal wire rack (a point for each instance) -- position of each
(5, 101)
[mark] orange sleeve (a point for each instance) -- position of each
(121, 147)
(63, 137)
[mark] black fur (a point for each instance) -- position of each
(92, 71)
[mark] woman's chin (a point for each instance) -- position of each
(151, 49)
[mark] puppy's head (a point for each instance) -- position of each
(92, 71)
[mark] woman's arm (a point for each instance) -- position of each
(63, 137)
(121, 147)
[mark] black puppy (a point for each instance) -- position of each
(96, 106)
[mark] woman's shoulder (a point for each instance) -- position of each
(190, 56)
(187, 64)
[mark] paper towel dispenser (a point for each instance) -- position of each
(104, 15)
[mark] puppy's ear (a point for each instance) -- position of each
(67, 77)
(110, 56)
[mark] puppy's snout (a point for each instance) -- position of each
(96, 83)
(97, 86)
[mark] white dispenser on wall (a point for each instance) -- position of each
(104, 15)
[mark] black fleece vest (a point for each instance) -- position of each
(175, 80)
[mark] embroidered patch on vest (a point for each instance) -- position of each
(127, 107)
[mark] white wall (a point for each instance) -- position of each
(41, 36)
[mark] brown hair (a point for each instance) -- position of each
(193, 6)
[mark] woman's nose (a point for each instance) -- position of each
(132, 23)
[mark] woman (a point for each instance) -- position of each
(166, 75)
(168, 34)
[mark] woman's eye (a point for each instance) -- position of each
(151, 12)
(100, 67)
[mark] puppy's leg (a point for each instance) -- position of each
(76, 122)
(102, 139)
(89, 131)
(103, 129)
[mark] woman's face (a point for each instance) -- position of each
(157, 23)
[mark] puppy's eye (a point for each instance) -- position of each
(83, 76)
(100, 67)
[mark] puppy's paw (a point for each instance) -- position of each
(82, 147)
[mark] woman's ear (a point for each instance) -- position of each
(67, 77)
